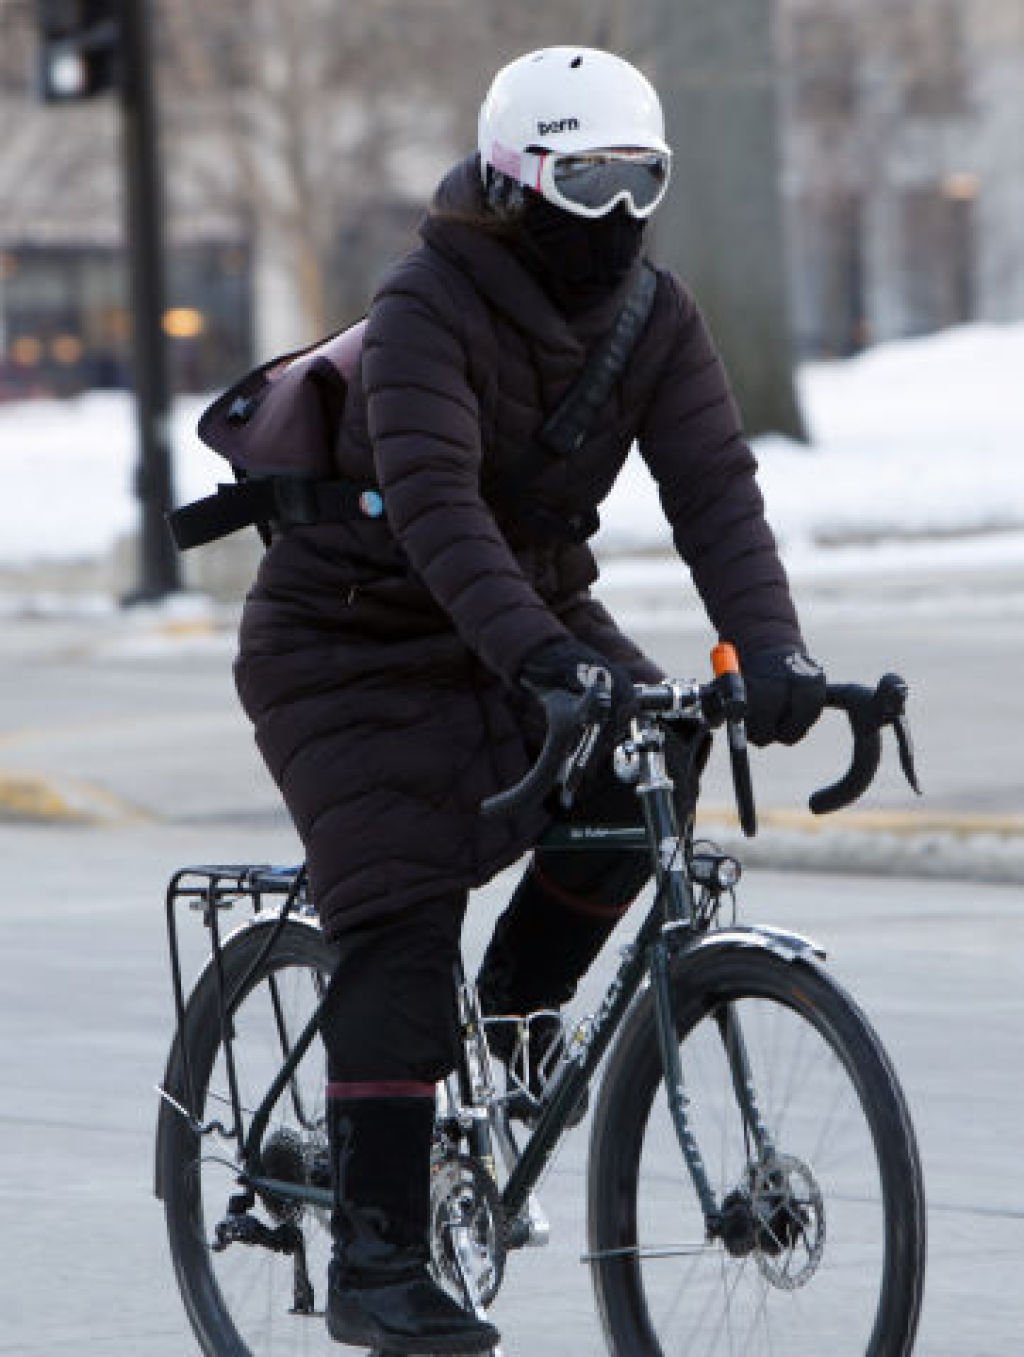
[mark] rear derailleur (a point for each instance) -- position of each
(240, 1226)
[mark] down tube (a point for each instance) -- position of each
(573, 1083)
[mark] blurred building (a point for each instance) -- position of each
(904, 191)
(905, 166)
(64, 313)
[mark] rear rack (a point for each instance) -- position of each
(279, 892)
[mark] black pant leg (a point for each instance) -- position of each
(390, 1015)
(568, 902)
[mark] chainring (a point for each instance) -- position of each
(468, 1221)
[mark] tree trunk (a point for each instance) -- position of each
(721, 226)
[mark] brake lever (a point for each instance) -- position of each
(595, 710)
(730, 706)
(890, 708)
(869, 712)
(905, 745)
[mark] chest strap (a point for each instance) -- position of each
(286, 501)
(566, 428)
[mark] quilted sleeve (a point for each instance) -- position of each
(692, 440)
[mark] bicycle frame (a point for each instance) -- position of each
(670, 926)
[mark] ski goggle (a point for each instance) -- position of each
(592, 183)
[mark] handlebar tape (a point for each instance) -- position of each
(868, 711)
(563, 718)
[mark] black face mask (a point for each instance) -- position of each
(578, 259)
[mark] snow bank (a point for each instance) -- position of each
(913, 439)
(916, 439)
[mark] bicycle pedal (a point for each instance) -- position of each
(520, 1106)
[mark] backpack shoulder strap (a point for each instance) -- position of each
(567, 426)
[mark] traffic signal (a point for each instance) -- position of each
(78, 47)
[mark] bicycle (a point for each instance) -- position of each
(753, 1178)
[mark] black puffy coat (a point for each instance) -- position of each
(378, 659)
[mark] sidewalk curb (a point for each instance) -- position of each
(946, 846)
(959, 824)
(30, 798)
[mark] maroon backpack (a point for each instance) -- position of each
(277, 427)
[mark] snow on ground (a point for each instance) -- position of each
(918, 439)
(915, 439)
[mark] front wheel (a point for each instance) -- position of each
(821, 1243)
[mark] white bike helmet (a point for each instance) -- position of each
(579, 126)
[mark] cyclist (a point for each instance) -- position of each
(386, 662)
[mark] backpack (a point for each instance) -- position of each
(277, 427)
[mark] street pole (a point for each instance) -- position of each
(158, 567)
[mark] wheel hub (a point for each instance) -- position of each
(778, 1215)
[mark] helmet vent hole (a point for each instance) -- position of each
(576, 62)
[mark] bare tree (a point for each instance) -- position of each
(722, 225)
(287, 113)
(298, 115)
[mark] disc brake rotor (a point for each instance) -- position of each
(789, 1216)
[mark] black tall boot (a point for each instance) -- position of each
(380, 1294)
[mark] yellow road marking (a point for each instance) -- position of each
(31, 798)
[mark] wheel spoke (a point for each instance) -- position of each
(812, 1230)
(242, 1297)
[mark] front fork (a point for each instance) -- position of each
(674, 887)
(731, 1032)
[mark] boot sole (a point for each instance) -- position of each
(391, 1345)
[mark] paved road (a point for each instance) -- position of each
(141, 708)
(137, 714)
(86, 1016)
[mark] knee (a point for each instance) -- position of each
(390, 1011)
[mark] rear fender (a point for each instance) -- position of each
(172, 1076)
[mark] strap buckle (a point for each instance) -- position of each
(295, 500)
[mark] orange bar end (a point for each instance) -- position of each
(724, 659)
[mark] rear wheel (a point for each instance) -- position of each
(821, 1248)
(241, 1296)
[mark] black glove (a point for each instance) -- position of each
(569, 664)
(785, 694)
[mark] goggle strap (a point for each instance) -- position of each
(531, 167)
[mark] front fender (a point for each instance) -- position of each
(783, 943)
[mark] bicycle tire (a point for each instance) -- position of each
(866, 1304)
(196, 1175)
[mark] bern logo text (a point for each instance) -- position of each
(545, 129)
